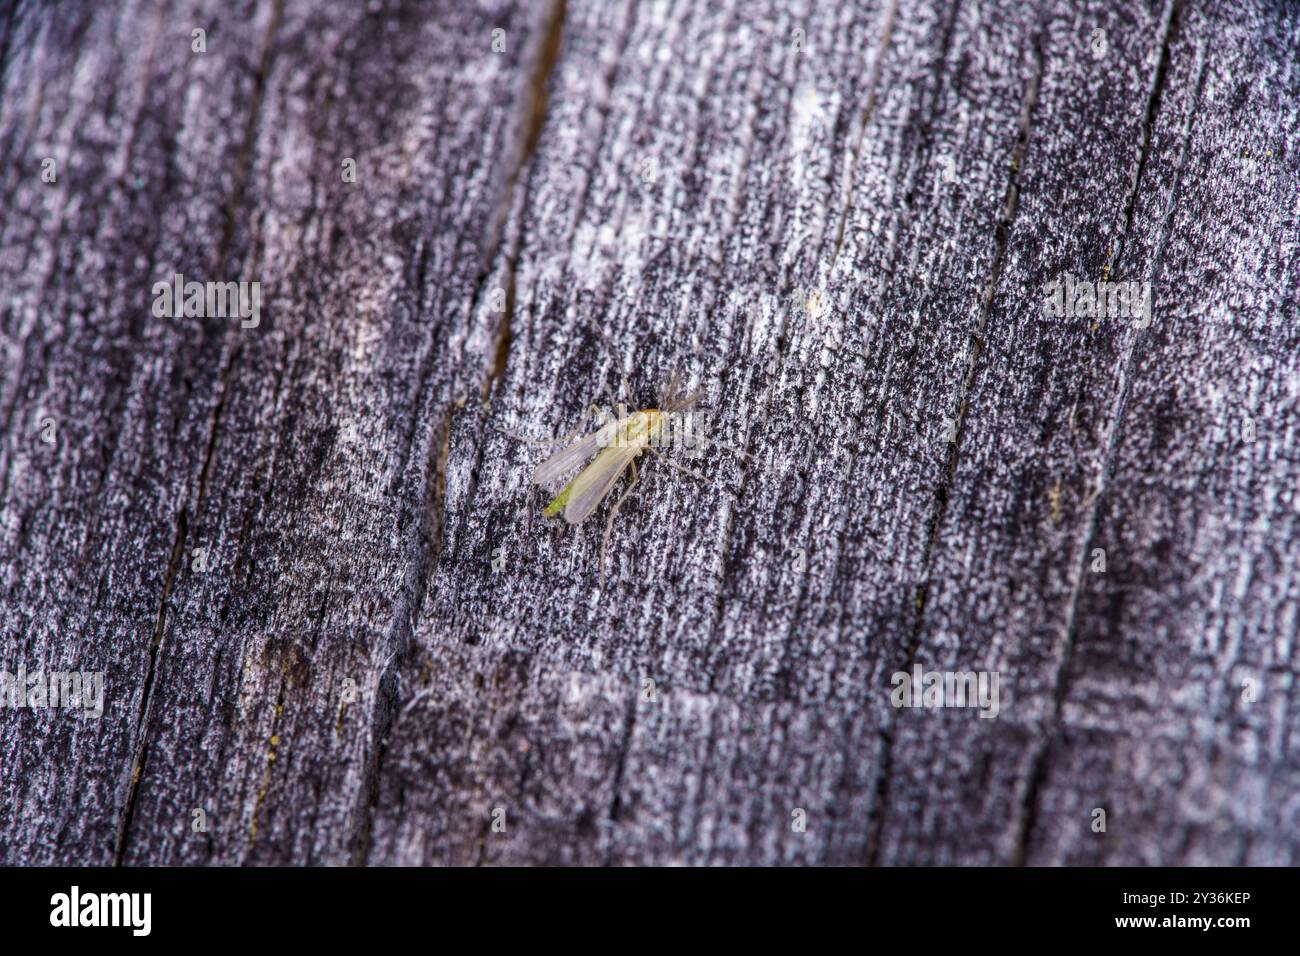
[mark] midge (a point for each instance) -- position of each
(617, 444)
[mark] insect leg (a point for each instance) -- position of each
(717, 444)
(609, 522)
(682, 468)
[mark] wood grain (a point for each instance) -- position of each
(307, 555)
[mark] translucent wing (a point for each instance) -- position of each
(590, 488)
(566, 459)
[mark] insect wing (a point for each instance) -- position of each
(567, 459)
(564, 461)
(591, 487)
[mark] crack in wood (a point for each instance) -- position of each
(886, 34)
(243, 167)
(1169, 31)
(271, 756)
(620, 761)
(927, 144)
(146, 693)
(943, 492)
(1041, 760)
(377, 550)
(428, 549)
(514, 201)
(548, 55)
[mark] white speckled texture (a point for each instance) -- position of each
(846, 243)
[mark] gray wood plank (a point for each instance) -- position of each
(1176, 680)
(92, 521)
(295, 453)
(308, 555)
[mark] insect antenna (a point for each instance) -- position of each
(622, 368)
(609, 522)
(682, 402)
(591, 410)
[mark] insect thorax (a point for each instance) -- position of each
(640, 428)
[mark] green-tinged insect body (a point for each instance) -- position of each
(557, 505)
(615, 446)
(619, 443)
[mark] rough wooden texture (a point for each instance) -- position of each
(837, 217)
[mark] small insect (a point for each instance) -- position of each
(617, 444)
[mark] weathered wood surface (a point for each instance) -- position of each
(389, 644)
